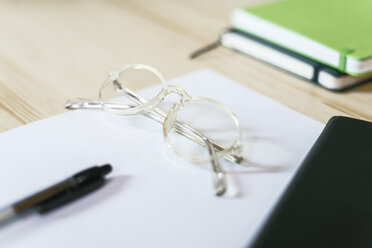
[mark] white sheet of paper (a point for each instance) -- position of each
(153, 198)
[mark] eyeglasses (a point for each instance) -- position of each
(198, 129)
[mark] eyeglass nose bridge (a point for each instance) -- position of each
(174, 89)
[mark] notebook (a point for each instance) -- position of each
(303, 67)
(328, 203)
(152, 198)
(333, 32)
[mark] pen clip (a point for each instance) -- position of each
(210, 46)
(205, 49)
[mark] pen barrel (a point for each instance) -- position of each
(41, 196)
(65, 191)
(69, 195)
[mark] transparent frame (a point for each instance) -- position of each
(168, 120)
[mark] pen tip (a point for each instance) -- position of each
(106, 169)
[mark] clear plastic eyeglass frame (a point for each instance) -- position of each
(170, 121)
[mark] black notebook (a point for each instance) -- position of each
(329, 201)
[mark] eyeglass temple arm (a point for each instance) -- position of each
(219, 180)
(157, 115)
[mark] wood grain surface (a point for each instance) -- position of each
(54, 50)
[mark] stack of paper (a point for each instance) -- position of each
(153, 199)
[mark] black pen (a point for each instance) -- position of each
(59, 194)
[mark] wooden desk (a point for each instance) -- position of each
(54, 50)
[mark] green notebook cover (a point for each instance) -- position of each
(344, 26)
